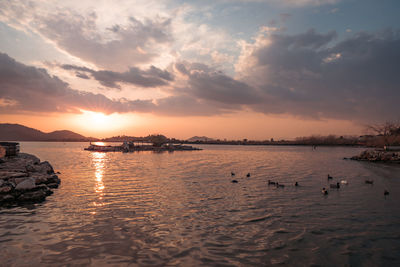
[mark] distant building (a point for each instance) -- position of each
(9, 149)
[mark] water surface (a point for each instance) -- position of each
(180, 208)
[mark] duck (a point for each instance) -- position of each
(330, 177)
(271, 182)
(385, 193)
(337, 185)
(232, 174)
(280, 185)
(235, 181)
(248, 175)
(344, 182)
(296, 184)
(324, 191)
(369, 181)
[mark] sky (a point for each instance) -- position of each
(234, 69)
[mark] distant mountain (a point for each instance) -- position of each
(199, 138)
(64, 134)
(17, 132)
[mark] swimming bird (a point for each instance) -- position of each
(296, 184)
(385, 193)
(232, 174)
(324, 191)
(271, 182)
(330, 177)
(280, 185)
(235, 181)
(337, 185)
(248, 175)
(369, 181)
(344, 182)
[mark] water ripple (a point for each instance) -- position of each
(182, 209)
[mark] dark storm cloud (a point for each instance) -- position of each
(31, 89)
(309, 75)
(214, 86)
(152, 77)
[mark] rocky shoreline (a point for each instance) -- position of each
(378, 155)
(24, 179)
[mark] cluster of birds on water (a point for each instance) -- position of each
(324, 191)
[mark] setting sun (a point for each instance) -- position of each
(100, 122)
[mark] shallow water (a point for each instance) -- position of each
(181, 208)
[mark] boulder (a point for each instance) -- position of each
(5, 189)
(43, 167)
(19, 180)
(9, 174)
(27, 184)
(28, 158)
(7, 198)
(45, 189)
(53, 179)
(34, 196)
(52, 185)
(40, 179)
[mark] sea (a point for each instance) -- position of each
(182, 209)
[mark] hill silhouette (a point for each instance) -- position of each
(17, 132)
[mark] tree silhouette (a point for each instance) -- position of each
(157, 139)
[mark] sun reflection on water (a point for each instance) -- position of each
(99, 160)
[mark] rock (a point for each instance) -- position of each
(35, 196)
(52, 185)
(28, 184)
(19, 180)
(41, 179)
(53, 179)
(25, 179)
(8, 174)
(5, 189)
(43, 167)
(377, 156)
(45, 189)
(28, 158)
(7, 198)
(30, 168)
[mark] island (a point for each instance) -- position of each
(155, 143)
(132, 147)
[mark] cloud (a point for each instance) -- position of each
(30, 89)
(134, 42)
(91, 38)
(153, 77)
(310, 75)
(27, 89)
(214, 86)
